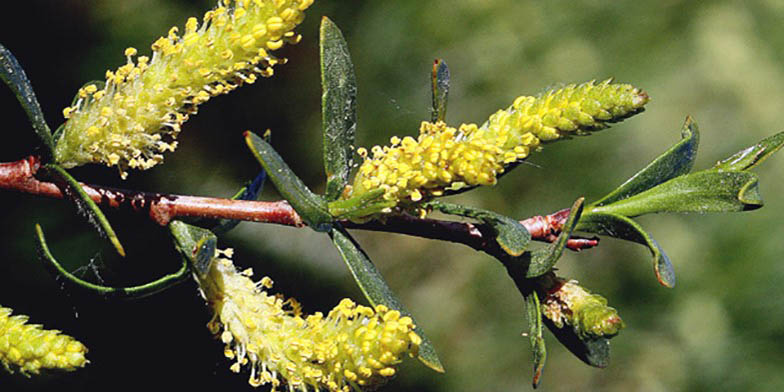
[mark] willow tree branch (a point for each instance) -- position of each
(162, 208)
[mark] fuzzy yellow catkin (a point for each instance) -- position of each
(443, 158)
(29, 348)
(353, 346)
(132, 119)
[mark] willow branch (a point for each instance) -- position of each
(162, 208)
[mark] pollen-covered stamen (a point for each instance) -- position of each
(155, 95)
(352, 345)
(29, 348)
(443, 158)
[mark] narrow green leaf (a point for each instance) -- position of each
(195, 244)
(534, 311)
(338, 107)
(510, 234)
(542, 260)
(376, 289)
(133, 292)
(626, 229)
(752, 156)
(676, 161)
(440, 90)
(704, 191)
(85, 204)
(14, 76)
(592, 351)
(311, 207)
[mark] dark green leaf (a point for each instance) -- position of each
(376, 289)
(14, 76)
(73, 189)
(74, 282)
(625, 228)
(195, 244)
(511, 235)
(751, 156)
(676, 161)
(440, 90)
(534, 311)
(338, 107)
(593, 351)
(704, 191)
(542, 260)
(311, 207)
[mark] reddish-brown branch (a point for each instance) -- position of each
(162, 208)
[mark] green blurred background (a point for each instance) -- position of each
(721, 328)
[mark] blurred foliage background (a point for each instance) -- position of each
(721, 328)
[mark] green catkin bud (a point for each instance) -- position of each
(29, 348)
(135, 117)
(568, 303)
(353, 345)
(444, 158)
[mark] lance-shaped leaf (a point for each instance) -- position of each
(85, 204)
(376, 290)
(195, 244)
(133, 292)
(542, 260)
(625, 228)
(676, 161)
(311, 207)
(704, 191)
(440, 90)
(510, 234)
(752, 156)
(593, 351)
(534, 312)
(338, 107)
(14, 76)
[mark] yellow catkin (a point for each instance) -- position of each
(444, 158)
(135, 117)
(29, 348)
(352, 345)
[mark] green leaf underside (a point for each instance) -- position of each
(534, 312)
(14, 76)
(625, 228)
(133, 292)
(310, 207)
(542, 260)
(592, 351)
(86, 205)
(440, 90)
(338, 107)
(197, 245)
(511, 235)
(676, 161)
(376, 290)
(752, 156)
(704, 191)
